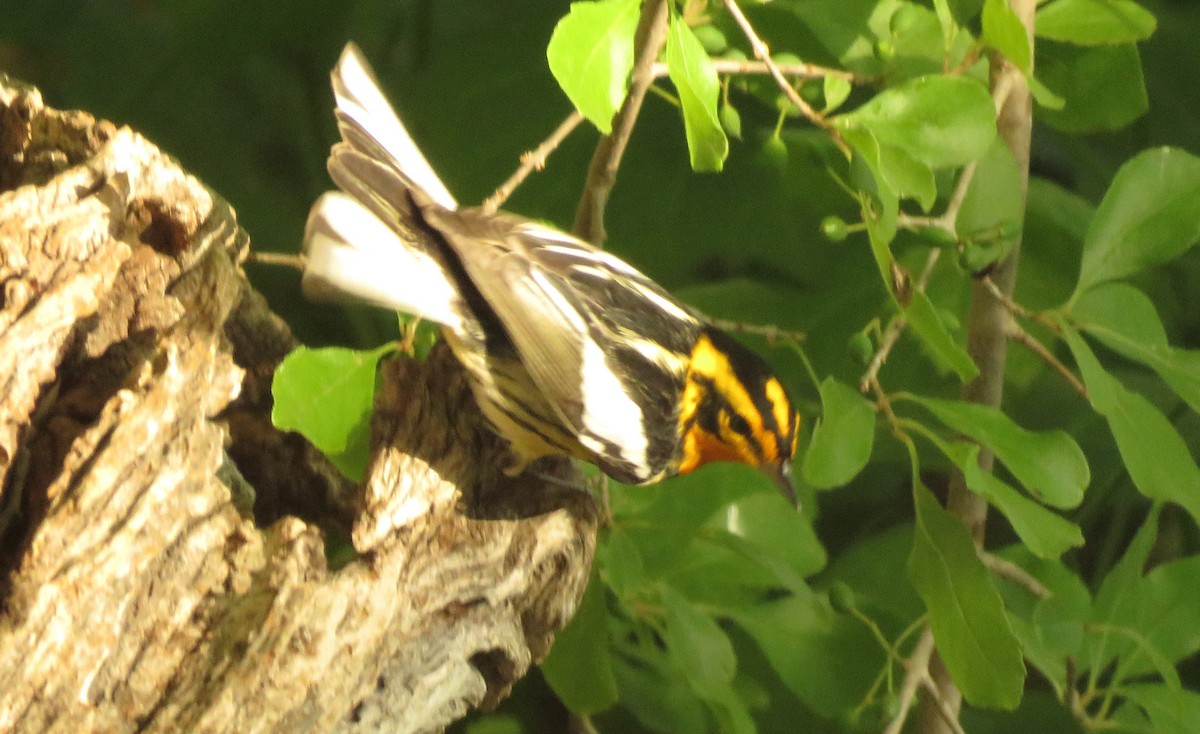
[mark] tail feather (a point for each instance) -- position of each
(373, 183)
(369, 125)
(352, 255)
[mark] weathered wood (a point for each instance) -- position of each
(163, 548)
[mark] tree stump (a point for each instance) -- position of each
(164, 549)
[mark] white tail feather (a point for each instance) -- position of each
(364, 105)
(352, 255)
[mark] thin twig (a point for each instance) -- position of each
(763, 54)
(1015, 308)
(802, 70)
(651, 36)
(948, 219)
(277, 258)
(892, 334)
(1008, 570)
(916, 670)
(534, 160)
(1014, 331)
(770, 332)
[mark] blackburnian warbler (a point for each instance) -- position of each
(569, 350)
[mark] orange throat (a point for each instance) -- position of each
(700, 447)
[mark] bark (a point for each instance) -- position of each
(164, 550)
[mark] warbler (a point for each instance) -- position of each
(569, 350)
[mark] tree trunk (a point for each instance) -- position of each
(164, 551)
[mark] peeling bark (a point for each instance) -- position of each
(164, 549)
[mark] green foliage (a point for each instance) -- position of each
(1095, 22)
(1148, 217)
(579, 668)
(714, 606)
(327, 395)
(591, 55)
(696, 82)
(965, 612)
(841, 441)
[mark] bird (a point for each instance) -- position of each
(568, 349)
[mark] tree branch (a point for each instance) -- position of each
(602, 171)
(987, 339)
(534, 160)
(802, 70)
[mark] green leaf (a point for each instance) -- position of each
(1147, 217)
(495, 724)
(1004, 31)
(923, 319)
(992, 210)
(782, 535)
(326, 395)
(1049, 463)
(972, 632)
(1095, 22)
(699, 647)
(894, 168)
(842, 438)
(663, 530)
(1102, 88)
(695, 80)
(731, 714)
(1157, 459)
(656, 694)
(579, 667)
(874, 568)
(1170, 710)
(835, 90)
(1118, 599)
(591, 56)
(1046, 534)
(620, 562)
(941, 121)
(880, 216)
(1166, 614)
(795, 631)
(1051, 629)
(1125, 320)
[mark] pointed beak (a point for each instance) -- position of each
(781, 473)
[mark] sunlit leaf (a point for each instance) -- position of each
(326, 395)
(1004, 31)
(695, 80)
(1046, 534)
(940, 121)
(591, 56)
(1095, 22)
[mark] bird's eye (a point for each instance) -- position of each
(738, 424)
